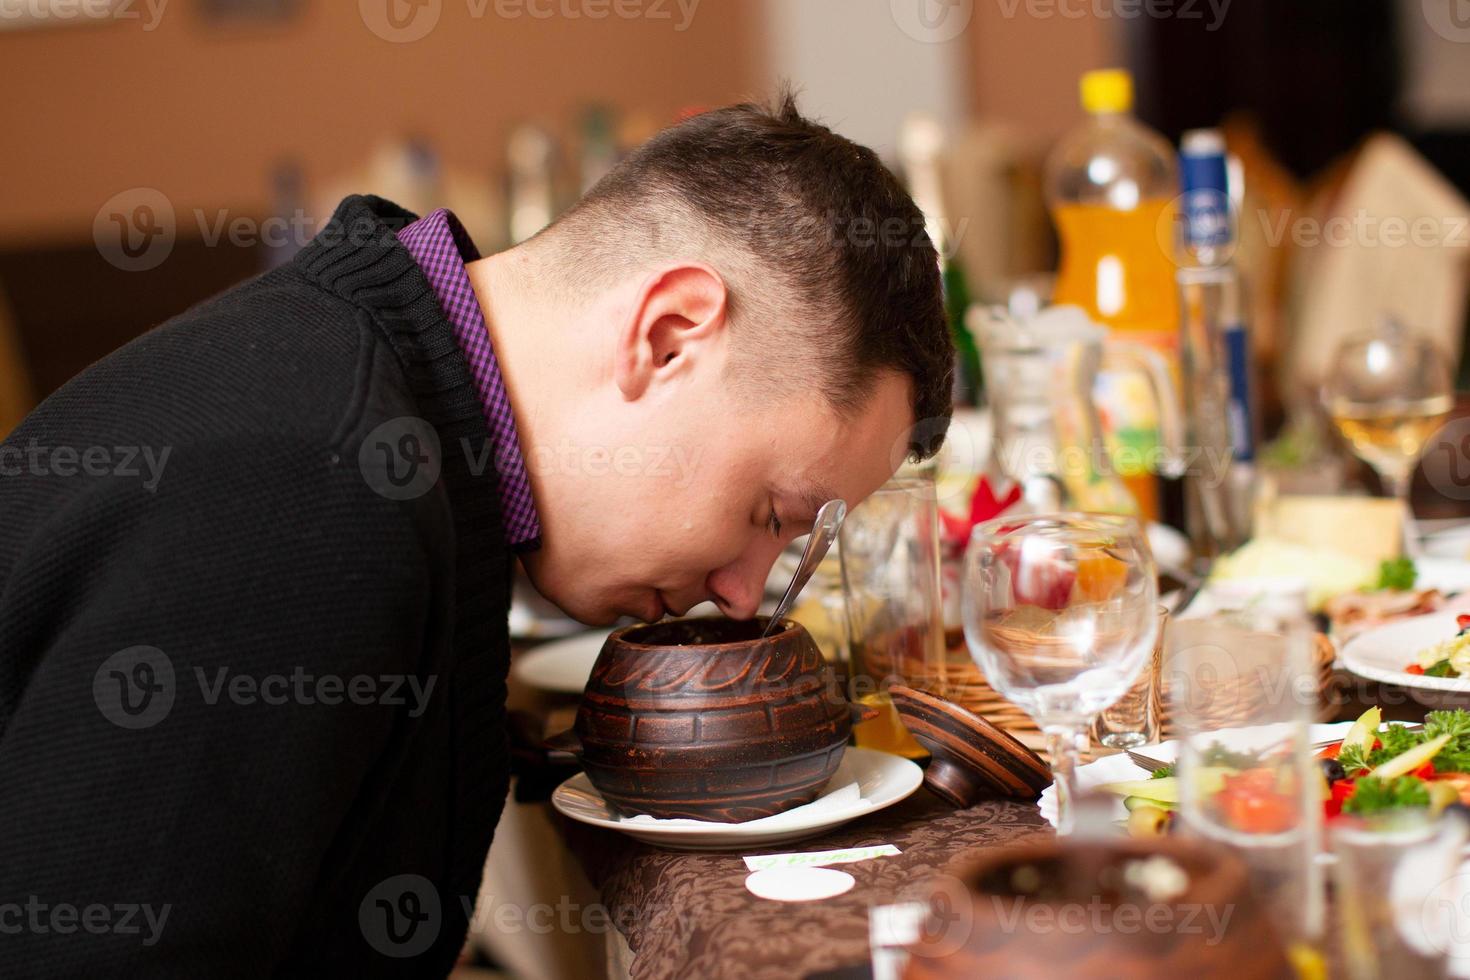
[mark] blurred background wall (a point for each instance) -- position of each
(191, 122)
(204, 106)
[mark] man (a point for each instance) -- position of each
(252, 709)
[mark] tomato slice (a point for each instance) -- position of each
(1413, 669)
(1257, 813)
(1259, 780)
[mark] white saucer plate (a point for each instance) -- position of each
(562, 666)
(883, 779)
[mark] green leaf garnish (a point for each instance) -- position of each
(1374, 795)
(1398, 574)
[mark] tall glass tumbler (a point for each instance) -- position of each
(1137, 717)
(1243, 692)
(889, 548)
(1399, 895)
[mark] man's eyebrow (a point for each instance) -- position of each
(812, 497)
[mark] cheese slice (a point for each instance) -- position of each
(1365, 527)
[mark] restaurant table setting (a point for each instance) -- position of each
(1016, 722)
(996, 683)
(718, 851)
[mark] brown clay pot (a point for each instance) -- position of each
(1065, 909)
(703, 718)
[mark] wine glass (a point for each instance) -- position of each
(1388, 392)
(1060, 614)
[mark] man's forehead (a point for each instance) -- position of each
(856, 464)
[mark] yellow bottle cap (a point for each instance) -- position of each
(1107, 90)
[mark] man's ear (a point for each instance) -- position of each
(676, 317)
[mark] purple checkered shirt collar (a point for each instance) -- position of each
(441, 247)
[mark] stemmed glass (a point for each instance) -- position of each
(1388, 392)
(1060, 615)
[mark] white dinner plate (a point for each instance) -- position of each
(1116, 768)
(1451, 540)
(1445, 574)
(882, 779)
(1382, 653)
(561, 665)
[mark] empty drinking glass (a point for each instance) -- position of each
(1136, 718)
(1061, 615)
(1243, 691)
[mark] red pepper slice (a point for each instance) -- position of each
(1341, 791)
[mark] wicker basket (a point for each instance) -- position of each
(963, 683)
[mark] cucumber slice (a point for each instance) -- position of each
(1156, 791)
(1138, 802)
(1364, 730)
(1406, 762)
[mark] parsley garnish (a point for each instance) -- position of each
(1441, 669)
(1396, 740)
(1353, 759)
(1455, 756)
(1453, 723)
(1219, 755)
(1398, 574)
(1373, 795)
(1163, 773)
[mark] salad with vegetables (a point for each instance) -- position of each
(1450, 658)
(1374, 770)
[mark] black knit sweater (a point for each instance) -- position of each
(194, 780)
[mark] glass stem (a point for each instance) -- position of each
(1398, 483)
(1064, 743)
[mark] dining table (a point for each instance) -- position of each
(617, 907)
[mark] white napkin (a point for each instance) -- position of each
(842, 792)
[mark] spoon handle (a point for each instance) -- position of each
(824, 532)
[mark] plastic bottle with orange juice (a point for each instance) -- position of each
(1110, 184)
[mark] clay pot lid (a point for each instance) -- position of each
(973, 760)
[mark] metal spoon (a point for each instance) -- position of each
(824, 532)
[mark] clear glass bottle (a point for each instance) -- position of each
(1110, 186)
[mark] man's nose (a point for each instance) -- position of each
(739, 587)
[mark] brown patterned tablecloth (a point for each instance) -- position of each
(689, 914)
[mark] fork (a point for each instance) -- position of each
(1148, 763)
(1151, 765)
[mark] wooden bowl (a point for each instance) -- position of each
(704, 718)
(1068, 909)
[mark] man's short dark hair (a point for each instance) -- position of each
(832, 277)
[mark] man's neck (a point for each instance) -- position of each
(526, 339)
